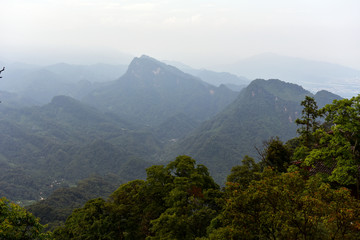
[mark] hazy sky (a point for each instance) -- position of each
(199, 33)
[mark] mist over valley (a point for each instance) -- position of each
(179, 119)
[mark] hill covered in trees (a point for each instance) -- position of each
(304, 189)
(63, 142)
(262, 110)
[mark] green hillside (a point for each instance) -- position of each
(263, 110)
(63, 142)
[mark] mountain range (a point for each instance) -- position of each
(230, 80)
(262, 110)
(312, 75)
(150, 92)
(151, 114)
(37, 85)
(42, 83)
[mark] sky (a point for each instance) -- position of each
(199, 33)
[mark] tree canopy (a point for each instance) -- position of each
(287, 206)
(337, 142)
(17, 223)
(175, 202)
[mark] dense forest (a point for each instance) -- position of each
(306, 188)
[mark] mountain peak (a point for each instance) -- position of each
(264, 109)
(63, 100)
(284, 90)
(151, 91)
(149, 68)
(322, 97)
(144, 59)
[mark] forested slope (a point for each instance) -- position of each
(262, 110)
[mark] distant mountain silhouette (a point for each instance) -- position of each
(232, 81)
(42, 83)
(151, 91)
(312, 75)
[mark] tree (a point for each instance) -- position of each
(117, 218)
(177, 202)
(17, 223)
(127, 211)
(287, 206)
(275, 154)
(339, 148)
(247, 172)
(191, 203)
(309, 120)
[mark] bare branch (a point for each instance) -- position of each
(2, 71)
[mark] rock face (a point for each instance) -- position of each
(150, 92)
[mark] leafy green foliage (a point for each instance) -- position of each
(181, 201)
(337, 148)
(247, 172)
(275, 154)
(309, 120)
(287, 206)
(17, 223)
(87, 222)
(190, 205)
